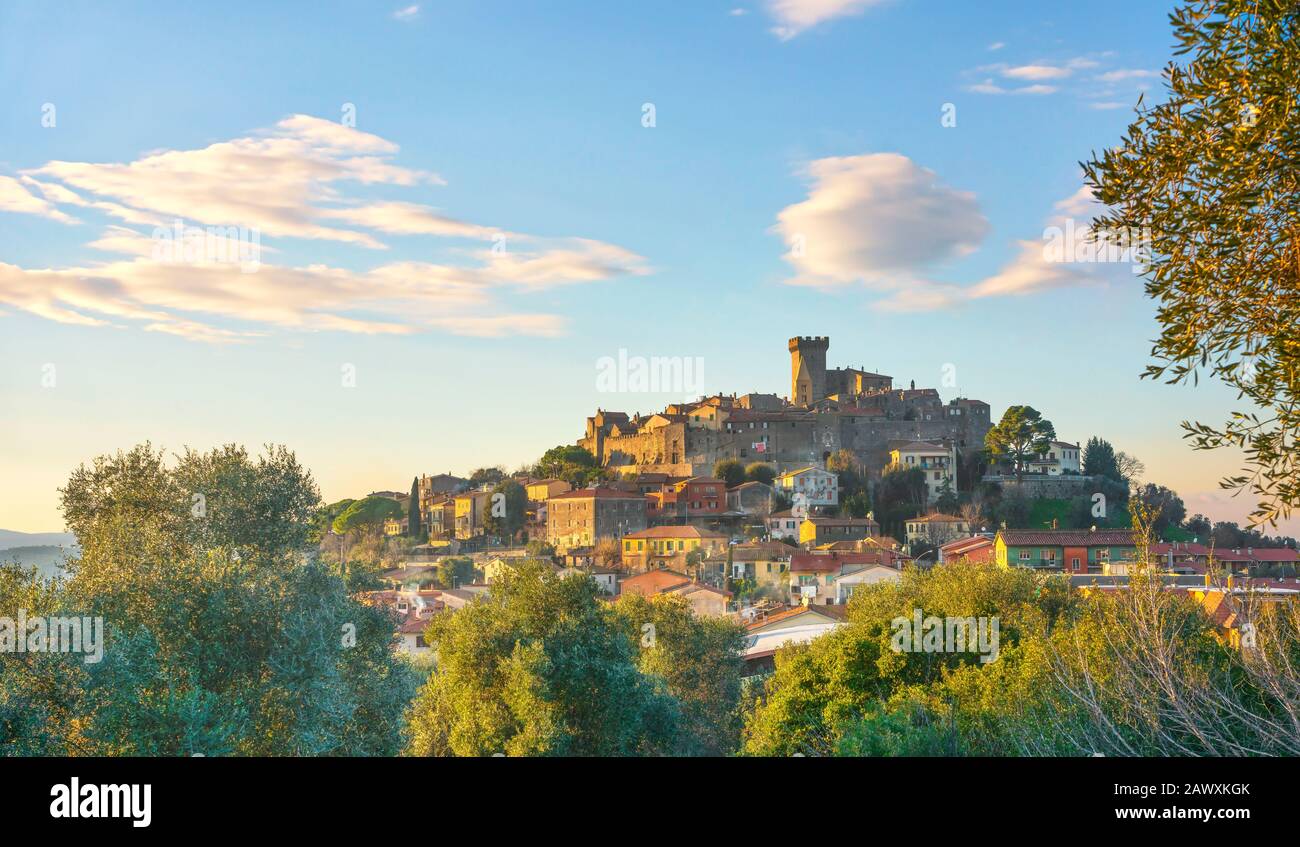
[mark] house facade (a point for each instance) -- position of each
(668, 546)
(936, 529)
(817, 531)
(582, 517)
(1074, 551)
(810, 486)
(934, 460)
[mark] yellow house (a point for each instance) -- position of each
(668, 546)
(471, 509)
(816, 531)
(544, 489)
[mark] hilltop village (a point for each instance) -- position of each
(775, 509)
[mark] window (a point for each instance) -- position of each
(1024, 555)
(1074, 563)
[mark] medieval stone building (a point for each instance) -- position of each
(833, 409)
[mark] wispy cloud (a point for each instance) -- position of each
(286, 182)
(882, 222)
(795, 16)
(407, 13)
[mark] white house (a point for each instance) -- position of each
(1061, 457)
(934, 460)
(783, 525)
(818, 487)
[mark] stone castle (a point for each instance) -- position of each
(828, 410)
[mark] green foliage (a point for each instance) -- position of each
(223, 638)
(540, 667)
(507, 512)
(366, 515)
(486, 476)
(760, 472)
(1099, 459)
(900, 495)
(570, 463)
(820, 693)
(413, 511)
(730, 471)
(455, 571)
(1209, 175)
(1021, 435)
(699, 658)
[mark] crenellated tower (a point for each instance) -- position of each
(808, 369)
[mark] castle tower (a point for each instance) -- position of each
(808, 369)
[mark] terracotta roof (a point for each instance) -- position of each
(653, 582)
(761, 550)
(921, 447)
(791, 612)
(824, 562)
(1275, 554)
(692, 587)
(816, 521)
(1069, 537)
(601, 493)
(675, 532)
(937, 517)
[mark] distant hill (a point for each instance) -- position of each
(11, 538)
(46, 558)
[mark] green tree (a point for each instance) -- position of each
(367, 515)
(568, 462)
(1099, 459)
(1021, 435)
(1209, 174)
(730, 471)
(224, 635)
(852, 474)
(760, 472)
(455, 571)
(413, 510)
(539, 667)
(507, 509)
(486, 476)
(699, 657)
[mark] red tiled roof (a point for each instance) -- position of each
(602, 493)
(1069, 537)
(823, 562)
(653, 582)
(675, 532)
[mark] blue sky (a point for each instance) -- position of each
(381, 155)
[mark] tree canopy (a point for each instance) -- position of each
(1210, 176)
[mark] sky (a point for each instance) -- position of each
(424, 226)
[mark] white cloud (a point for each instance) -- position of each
(988, 86)
(272, 182)
(869, 218)
(209, 282)
(1036, 72)
(407, 13)
(887, 224)
(997, 45)
(794, 16)
(14, 197)
(1125, 74)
